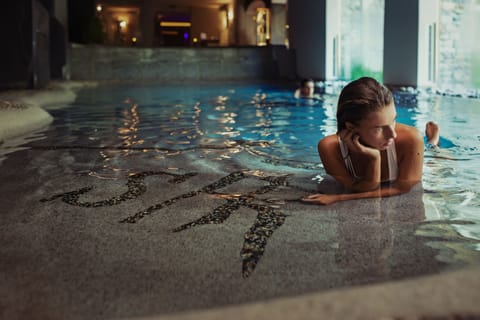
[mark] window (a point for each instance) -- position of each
(357, 47)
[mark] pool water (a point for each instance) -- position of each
(178, 118)
(276, 129)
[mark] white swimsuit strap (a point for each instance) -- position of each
(391, 159)
(392, 162)
(346, 158)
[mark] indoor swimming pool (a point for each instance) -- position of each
(276, 133)
(151, 199)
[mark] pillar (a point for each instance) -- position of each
(307, 36)
(147, 23)
(400, 53)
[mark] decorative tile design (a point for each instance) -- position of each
(268, 219)
(7, 105)
(136, 187)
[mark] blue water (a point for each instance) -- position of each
(172, 118)
(179, 117)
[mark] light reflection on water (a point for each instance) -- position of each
(218, 119)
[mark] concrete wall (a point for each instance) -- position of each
(279, 20)
(170, 64)
(206, 20)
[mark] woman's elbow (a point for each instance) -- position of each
(364, 186)
(406, 185)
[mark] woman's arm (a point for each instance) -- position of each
(297, 94)
(410, 150)
(334, 164)
(409, 147)
(326, 199)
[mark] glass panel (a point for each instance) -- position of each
(361, 47)
(459, 49)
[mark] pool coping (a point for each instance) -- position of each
(449, 295)
(23, 111)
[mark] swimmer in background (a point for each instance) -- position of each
(306, 90)
(371, 154)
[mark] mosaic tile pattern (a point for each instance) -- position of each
(8, 105)
(136, 187)
(268, 219)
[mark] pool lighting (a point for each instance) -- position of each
(175, 24)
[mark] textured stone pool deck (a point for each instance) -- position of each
(442, 297)
(172, 237)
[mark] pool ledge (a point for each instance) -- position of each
(24, 111)
(450, 295)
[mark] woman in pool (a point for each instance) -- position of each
(371, 154)
(306, 90)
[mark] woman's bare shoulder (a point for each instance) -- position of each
(409, 140)
(328, 142)
(408, 134)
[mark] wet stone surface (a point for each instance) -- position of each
(76, 227)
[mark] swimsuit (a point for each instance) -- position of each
(391, 159)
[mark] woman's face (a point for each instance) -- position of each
(377, 130)
(308, 88)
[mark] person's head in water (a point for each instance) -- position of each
(367, 107)
(307, 88)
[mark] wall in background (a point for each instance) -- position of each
(99, 63)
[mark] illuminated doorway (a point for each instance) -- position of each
(263, 26)
(254, 27)
(121, 25)
(172, 29)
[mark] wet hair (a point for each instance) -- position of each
(359, 98)
(303, 82)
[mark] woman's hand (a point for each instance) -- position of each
(321, 198)
(352, 140)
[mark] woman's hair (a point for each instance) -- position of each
(304, 81)
(359, 98)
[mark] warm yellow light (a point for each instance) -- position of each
(230, 15)
(195, 40)
(134, 39)
(175, 24)
(122, 24)
(172, 33)
(99, 7)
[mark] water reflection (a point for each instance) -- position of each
(128, 133)
(378, 239)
